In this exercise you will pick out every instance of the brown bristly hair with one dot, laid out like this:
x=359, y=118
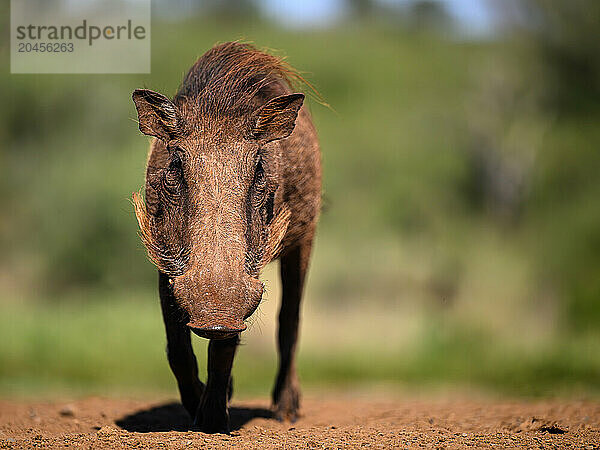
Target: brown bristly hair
x=172, y=265
x=276, y=232
x=231, y=87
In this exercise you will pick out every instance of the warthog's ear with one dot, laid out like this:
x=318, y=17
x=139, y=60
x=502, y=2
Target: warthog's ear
x=277, y=118
x=157, y=115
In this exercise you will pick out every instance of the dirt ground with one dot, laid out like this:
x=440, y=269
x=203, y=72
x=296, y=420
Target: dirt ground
x=329, y=421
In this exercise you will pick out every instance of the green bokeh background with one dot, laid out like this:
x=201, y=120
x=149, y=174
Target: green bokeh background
x=460, y=241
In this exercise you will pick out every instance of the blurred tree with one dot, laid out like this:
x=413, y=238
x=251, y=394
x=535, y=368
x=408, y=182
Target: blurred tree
x=559, y=44
x=231, y=9
x=219, y=9
x=362, y=8
x=567, y=37
x=430, y=15
x=506, y=127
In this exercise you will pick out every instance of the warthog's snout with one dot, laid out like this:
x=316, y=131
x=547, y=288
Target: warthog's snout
x=217, y=316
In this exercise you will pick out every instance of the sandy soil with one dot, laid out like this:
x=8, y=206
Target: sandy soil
x=330, y=421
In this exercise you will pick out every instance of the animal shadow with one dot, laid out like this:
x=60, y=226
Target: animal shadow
x=173, y=417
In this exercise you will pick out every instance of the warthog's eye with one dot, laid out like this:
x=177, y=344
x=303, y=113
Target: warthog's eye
x=175, y=165
x=262, y=199
x=173, y=178
x=259, y=184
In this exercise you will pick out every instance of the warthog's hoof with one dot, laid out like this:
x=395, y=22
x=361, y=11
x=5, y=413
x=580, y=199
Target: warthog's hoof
x=288, y=404
x=212, y=415
x=212, y=423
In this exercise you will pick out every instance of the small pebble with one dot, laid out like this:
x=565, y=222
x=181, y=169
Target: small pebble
x=67, y=411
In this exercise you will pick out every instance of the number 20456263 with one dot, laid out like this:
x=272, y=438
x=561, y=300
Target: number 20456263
x=45, y=47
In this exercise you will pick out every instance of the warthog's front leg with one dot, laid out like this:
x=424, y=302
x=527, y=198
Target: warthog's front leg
x=179, y=349
x=286, y=394
x=212, y=415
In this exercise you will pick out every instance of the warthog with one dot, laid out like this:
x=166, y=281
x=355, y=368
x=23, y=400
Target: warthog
x=233, y=181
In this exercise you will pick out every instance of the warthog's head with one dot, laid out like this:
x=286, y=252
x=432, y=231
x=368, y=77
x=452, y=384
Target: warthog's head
x=210, y=220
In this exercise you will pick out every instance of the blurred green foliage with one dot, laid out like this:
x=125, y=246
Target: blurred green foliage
x=60, y=350
x=461, y=191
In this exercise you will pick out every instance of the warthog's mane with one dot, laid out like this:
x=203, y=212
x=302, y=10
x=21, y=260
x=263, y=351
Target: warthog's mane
x=232, y=79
